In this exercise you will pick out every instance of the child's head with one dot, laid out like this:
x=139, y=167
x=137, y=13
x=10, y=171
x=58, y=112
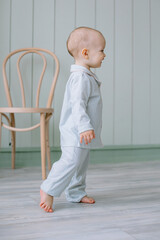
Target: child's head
x=86, y=45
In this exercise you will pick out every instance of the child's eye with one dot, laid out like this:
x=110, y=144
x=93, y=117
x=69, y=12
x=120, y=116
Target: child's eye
x=102, y=51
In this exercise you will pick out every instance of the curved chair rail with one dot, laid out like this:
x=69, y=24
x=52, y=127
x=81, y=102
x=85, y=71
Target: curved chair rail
x=25, y=129
x=31, y=50
x=45, y=112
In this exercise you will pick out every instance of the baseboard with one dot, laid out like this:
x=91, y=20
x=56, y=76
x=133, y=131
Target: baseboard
x=27, y=157
x=109, y=147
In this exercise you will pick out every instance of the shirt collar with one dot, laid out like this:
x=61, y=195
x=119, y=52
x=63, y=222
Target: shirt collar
x=78, y=68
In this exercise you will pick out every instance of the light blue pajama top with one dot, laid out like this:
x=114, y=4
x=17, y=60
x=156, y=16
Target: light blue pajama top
x=82, y=108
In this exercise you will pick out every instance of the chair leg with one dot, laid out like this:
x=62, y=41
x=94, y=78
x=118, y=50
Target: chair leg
x=13, y=140
x=43, y=137
x=47, y=146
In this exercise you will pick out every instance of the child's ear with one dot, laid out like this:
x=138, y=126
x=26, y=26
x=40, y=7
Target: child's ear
x=85, y=53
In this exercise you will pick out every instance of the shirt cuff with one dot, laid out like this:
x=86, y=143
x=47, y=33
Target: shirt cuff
x=84, y=128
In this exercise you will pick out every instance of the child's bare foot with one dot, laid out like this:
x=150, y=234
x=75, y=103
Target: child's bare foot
x=46, y=201
x=86, y=199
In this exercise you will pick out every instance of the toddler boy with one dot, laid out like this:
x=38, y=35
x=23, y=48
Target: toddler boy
x=81, y=120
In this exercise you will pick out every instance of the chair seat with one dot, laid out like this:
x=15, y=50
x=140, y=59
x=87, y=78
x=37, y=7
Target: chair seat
x=25, y=110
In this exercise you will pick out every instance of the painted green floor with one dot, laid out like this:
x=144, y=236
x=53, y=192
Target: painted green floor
x=26, y=159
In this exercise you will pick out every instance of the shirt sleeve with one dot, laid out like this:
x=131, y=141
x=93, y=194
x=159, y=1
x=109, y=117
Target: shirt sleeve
x=80, y=93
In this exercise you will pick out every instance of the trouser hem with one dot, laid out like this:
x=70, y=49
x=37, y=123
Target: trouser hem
x=77, y=200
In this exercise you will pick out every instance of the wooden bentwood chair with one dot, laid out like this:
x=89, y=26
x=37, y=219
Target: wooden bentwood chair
x=45, y=113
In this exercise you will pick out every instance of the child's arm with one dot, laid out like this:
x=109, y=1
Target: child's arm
x=80, y=93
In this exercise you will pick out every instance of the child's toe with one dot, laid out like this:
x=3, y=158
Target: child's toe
x=48, y=207
x=50, y=210
x=41, y=203
x=43, y=206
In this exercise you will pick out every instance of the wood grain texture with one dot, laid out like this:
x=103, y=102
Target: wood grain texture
x=127, y=205
x=130, y=72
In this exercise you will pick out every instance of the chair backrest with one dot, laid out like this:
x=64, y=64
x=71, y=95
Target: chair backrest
x=39, y=52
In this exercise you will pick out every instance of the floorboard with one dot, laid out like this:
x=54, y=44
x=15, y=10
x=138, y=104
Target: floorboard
x=127, y=205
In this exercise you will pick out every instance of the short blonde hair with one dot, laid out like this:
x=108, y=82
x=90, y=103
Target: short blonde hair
x=84, y=37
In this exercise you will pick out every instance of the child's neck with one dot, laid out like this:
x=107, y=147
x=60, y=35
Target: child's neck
x=82, y=64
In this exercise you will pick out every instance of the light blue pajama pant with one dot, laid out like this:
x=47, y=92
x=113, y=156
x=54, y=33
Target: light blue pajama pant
x=69, y=173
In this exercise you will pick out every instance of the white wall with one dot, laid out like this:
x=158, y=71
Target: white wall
x=130, y=72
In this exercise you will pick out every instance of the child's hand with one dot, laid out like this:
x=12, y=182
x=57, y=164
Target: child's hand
x=87, y=136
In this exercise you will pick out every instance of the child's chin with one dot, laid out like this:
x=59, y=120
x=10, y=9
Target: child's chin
x=97, y=66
